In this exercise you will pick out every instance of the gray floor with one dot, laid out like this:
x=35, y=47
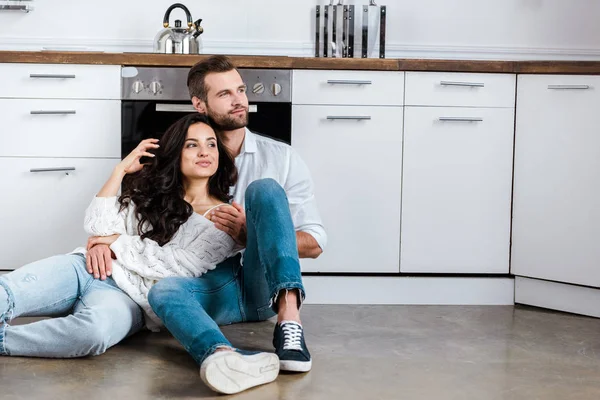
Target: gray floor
x=360, y=352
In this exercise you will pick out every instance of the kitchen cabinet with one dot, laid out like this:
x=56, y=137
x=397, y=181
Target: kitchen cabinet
x=43, y=211
x=60, y=126
x=457, y=179
x=457, y=173
x=556, y=217
x=354, y=154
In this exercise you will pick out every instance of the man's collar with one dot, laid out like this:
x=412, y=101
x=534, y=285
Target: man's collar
x=249, y=145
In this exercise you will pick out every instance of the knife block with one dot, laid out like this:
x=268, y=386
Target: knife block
x=350, y=30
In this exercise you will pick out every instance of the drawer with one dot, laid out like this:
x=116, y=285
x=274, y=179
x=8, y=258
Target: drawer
x=60, y=128
x=60, y=81
x=42, y=213
x=348, y=87
x=460, y=89
x=572, y=91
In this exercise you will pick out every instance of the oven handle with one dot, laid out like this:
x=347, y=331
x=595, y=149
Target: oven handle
x=160, y=107
x=165, y=107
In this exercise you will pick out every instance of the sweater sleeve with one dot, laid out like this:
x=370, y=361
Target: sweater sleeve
x=103, y=218
x=193, y=251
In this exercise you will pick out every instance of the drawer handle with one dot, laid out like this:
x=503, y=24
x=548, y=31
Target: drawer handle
x=349, y=117
x=461, y=119
x=348, y=82
x=53, y=112
x=66, y=170
x=467, y=84
x=569, y=87
x=52, y=76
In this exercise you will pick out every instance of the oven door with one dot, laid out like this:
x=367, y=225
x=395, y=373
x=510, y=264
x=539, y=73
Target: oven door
x=150, y=119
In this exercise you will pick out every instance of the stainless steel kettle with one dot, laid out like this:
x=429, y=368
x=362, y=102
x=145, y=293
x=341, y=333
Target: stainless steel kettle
x=179, y=40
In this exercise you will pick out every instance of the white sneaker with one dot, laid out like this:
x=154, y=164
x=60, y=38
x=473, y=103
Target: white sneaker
x=231, y=372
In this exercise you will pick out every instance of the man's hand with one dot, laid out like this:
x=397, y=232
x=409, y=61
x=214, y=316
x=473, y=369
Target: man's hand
x=231, y=220
x=99, y=261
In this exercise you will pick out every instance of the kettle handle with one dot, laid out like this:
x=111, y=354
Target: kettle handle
x=199, y=29
x=168, y=14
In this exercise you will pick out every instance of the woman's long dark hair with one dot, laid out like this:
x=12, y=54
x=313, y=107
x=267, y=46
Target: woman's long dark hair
x=157, y=191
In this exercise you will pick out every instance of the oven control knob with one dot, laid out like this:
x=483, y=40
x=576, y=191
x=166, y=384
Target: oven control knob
x=138, y=86
x=258, y=88
x=155, y=87
x=276, y=89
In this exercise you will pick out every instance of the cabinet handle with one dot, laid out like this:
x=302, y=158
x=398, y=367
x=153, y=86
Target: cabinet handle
x=24, y=8
x=568, y=87
x=461, y=119
x=348, y=82
x=52, y=76
x=349, y=117
x=53, y=112
x=59, y=169
x=467, y=84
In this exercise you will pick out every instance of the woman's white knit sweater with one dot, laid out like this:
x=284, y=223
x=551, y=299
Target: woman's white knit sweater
x=197, y=247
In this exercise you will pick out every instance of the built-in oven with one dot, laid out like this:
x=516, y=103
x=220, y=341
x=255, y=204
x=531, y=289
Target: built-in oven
x=154, y=98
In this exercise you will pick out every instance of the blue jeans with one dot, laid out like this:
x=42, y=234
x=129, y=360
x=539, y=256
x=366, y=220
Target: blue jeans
x=193, y=308
x=90, y=315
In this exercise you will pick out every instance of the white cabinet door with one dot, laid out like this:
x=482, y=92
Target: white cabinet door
x=356, y=165
x=456, y=192
x=556, y=215
x=42, y=213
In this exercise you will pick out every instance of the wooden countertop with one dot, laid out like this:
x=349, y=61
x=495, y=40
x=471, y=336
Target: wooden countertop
x=279, y=62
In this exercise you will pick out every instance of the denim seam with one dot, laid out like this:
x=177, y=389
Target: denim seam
x=211, y=350
x=240, y=291
x=287, y=286
x=3, y=322
x=3, y=350
x=11, y=302
x=262, y=266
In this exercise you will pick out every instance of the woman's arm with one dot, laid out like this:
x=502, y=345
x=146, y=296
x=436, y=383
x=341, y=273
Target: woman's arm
x=194, y=250
x=103, y=217
x=113, y=184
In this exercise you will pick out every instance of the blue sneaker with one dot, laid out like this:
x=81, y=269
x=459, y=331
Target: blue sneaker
x=290, y=347
x=232, y=372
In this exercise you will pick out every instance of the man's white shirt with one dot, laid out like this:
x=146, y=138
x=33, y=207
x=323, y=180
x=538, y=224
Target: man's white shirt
x=262, y=157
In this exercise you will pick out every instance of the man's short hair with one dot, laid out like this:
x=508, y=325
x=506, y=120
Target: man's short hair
x=196, y=80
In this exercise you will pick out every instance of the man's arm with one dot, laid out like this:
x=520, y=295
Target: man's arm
x=307, y=245
x=299, y=188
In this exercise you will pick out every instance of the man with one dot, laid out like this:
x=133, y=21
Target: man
x=275, y=218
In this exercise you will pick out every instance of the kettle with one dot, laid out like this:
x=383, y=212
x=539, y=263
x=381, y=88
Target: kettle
x=179, y=40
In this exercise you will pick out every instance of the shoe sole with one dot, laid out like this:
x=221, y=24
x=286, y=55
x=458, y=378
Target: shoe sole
x=295, y=366
x=229, y=372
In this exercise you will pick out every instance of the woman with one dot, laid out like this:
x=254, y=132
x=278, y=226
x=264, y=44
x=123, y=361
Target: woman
x=155, y=229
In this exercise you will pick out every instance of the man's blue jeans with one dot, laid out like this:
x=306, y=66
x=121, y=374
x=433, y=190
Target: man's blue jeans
x=193, y=308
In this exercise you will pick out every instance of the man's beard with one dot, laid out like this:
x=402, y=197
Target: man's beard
x=227, y=122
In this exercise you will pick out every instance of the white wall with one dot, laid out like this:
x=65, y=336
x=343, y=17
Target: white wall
x=507, y=29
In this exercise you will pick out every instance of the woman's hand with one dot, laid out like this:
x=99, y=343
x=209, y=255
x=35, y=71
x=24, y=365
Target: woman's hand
x=107, y=240
x=131, y=164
